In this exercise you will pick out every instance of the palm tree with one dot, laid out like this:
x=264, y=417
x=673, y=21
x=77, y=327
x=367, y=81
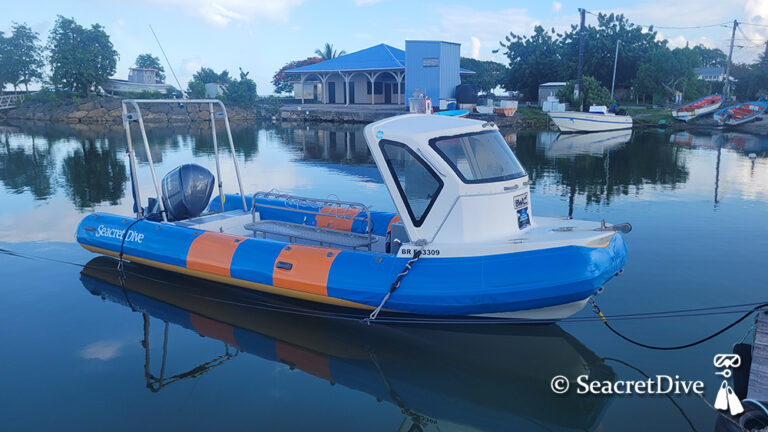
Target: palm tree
x=328, y=52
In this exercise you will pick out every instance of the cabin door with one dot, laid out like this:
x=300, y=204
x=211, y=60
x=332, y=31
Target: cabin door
x=351, y=92
x=331, y=92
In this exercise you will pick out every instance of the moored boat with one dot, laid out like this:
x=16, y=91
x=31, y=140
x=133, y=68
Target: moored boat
x=464, y=230
x=698, y=108
x=453, y=113
x=740, y=113
x=597, y=119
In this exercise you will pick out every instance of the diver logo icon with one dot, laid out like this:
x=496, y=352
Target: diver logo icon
x=726, y=399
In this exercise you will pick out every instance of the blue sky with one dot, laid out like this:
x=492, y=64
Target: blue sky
x=262, y=35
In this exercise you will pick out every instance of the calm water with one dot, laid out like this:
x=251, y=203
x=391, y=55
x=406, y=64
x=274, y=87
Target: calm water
x=78, y=352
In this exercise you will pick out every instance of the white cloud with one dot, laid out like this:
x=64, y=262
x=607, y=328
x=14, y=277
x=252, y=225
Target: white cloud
x=481, y=28
x=102, y=350
x=223, y=12
x=366, y=2
x=556, y=6
x=475, y=48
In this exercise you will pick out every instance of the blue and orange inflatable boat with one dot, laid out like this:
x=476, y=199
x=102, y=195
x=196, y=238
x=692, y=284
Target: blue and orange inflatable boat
x=463, y=243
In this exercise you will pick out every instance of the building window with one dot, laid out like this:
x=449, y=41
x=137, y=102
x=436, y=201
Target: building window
x=378, y=88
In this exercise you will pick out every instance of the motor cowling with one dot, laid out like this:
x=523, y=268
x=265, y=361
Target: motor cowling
x=187, y=191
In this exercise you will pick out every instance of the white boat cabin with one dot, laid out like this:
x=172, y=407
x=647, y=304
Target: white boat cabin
x=453, y=180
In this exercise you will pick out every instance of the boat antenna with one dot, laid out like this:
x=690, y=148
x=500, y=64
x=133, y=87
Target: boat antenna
x=166, y=60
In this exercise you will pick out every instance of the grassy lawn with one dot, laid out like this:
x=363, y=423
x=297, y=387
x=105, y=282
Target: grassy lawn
x=651, y=115
x=532, y=113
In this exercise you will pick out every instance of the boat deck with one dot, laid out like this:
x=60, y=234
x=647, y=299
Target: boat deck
x=240, y=223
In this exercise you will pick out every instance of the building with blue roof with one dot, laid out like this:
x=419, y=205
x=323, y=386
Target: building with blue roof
x=383, y=74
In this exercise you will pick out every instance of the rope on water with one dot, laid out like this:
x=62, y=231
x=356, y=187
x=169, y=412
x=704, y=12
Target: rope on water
x=596, y=310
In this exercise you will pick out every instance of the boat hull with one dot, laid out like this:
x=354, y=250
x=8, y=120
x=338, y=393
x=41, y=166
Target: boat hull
x=570, y=121
x=688, y=112
x=558, y=278
x=740, y=114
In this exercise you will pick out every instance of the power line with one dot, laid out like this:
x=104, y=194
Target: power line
x=673, y=27
x=756, y=25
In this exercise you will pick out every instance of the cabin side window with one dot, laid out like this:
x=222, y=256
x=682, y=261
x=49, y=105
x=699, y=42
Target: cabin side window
x=418, y=185
x=480, y=157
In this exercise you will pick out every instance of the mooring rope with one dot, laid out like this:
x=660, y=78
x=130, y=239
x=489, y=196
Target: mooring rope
x=596, y=310
x=396, y=284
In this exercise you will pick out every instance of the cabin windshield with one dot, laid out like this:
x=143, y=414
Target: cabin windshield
x=480, y=157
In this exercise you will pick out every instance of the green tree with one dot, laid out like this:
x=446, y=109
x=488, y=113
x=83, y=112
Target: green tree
x=635, y=48
x=710, y=56
x=752, y=80
x=3, y=70
x=196, y=87
x=592, y=93
x=241, y=92
x=282, y=82
x=22, y=57
x=81, y=59
x=533, y=60
x=148, y=61
x=487, y=74
x=327, y=52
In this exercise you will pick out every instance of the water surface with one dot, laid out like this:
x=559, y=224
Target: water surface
x=79, y=351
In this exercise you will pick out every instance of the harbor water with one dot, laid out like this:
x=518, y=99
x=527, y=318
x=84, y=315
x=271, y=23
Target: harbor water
x=81, y=351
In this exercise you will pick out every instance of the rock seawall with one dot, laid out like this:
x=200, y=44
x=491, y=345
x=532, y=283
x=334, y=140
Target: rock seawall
x=108, y=110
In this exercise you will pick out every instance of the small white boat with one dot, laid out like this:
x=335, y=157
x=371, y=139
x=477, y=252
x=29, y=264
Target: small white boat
x=598, y=119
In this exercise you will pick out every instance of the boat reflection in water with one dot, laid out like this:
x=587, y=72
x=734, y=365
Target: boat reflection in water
x=558, y=145
x=486, y=377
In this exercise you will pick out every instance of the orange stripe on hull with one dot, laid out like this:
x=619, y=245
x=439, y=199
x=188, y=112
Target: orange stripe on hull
x=214, y=329
x=309, y=268
x=310, y=362
x=333, y=217
x=212, y=252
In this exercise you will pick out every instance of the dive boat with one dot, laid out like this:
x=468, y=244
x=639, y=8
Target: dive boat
x=463, y=244
x=740, y=113
x=598, y=119
x=698, y=108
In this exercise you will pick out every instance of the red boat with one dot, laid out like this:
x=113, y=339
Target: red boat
x=698, y=108
x=740, y=113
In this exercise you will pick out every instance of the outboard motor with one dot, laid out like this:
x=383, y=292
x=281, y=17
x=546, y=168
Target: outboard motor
x=187, y=191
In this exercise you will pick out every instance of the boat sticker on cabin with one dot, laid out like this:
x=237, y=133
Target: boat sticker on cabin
x=522, y=218
x=521, y=201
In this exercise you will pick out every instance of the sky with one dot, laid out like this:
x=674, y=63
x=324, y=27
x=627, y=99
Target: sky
x=260, y=36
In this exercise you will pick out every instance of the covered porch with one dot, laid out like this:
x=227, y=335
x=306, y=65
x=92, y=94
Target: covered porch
x=375, y=75
x=349, y=87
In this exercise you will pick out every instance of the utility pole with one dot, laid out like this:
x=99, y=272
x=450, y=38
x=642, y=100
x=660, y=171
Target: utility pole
x=615, y=60
x=577, y=89
x=727, y=85
x=765, y=54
